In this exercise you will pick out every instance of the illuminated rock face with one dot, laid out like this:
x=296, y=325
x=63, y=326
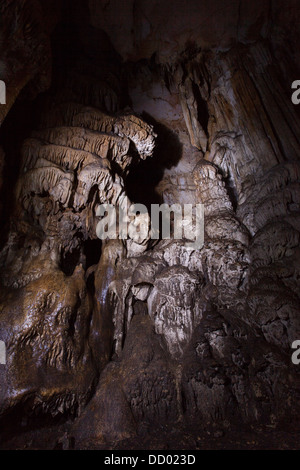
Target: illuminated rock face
x=74, y=162
x=122, y=336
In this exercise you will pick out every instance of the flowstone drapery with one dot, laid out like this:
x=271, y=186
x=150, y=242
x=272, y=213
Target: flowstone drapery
x=110, y=341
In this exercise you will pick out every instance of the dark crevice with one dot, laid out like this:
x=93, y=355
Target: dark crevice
x=203, y=115
x=17, y=126
x=231, y=191
x=92, y=252
x=69, y=261
x=141, y=183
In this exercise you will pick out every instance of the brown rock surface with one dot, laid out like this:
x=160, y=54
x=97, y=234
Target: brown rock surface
x=113, y=339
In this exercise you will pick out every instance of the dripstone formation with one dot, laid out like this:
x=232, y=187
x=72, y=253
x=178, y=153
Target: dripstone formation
x=109, y=340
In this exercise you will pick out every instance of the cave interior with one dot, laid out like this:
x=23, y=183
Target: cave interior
x=134, y=342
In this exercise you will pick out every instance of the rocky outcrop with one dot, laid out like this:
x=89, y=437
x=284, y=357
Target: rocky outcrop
x=123, y=335
x=60, y=332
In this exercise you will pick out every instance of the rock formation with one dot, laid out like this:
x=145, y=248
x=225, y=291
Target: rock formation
x=111, y=339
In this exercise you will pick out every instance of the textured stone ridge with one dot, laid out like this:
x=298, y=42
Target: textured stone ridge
x=58, y=338
x=112, y=340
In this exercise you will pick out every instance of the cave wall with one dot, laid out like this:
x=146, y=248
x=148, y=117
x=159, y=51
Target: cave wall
x=150, y=102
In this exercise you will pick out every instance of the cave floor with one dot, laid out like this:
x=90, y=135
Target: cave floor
x=166, y=438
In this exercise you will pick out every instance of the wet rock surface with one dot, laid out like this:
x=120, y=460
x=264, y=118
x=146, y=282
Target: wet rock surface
x=110, y=340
